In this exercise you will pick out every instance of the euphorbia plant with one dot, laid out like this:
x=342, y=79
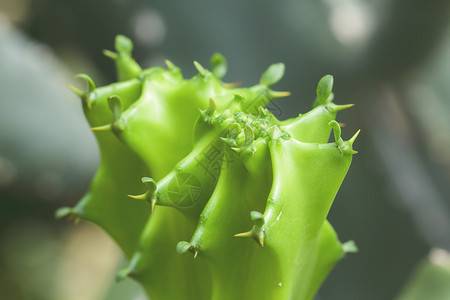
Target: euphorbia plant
x=193, y=165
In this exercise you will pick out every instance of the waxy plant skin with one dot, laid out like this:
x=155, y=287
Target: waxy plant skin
x=194, y=165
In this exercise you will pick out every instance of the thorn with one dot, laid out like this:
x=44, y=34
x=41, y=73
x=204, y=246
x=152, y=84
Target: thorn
x=76, y=90
x=208, y=113
x=344, y=147
x=341, y=124
x=232, y=85
x=279, y=94
x=195, y=253
x=172, y=67
x=139, y=197
x=102, y=128
x=265, y=113
x=202, y=71
x=336, y=107
x=151, y=184
x=211, y=107
x=153, y=203
x=110, y=54
x=255, y=233
x=245, y=234
x=261, y=239
x=352, y=140
x=169, y=64
x=149, y=195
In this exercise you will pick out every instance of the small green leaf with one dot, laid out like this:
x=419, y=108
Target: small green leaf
x=115, y=105
x=336, y=131
x=249, y=136
x=64, y=212
x=89, y=80
x=183, y=247
x=123, y=45
x=324, y=90
x=218, y=65
x=350, y=247
x=273, y=74
x=256, y=215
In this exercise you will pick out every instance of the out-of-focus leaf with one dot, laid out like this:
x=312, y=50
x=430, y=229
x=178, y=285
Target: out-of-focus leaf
x=44, y=141
x=430, y=280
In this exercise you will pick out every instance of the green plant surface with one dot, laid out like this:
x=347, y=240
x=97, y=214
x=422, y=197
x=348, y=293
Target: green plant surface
x=192, y=165
x=430, y=279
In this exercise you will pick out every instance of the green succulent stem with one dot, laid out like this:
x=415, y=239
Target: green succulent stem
x=207, y=193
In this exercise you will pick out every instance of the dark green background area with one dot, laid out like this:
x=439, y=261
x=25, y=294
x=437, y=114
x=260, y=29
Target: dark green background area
x=395, y=200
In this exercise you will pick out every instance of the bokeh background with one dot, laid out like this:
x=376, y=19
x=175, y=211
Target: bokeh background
x=389, y=57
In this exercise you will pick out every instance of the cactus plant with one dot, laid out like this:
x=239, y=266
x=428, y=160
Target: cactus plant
x=193, y=165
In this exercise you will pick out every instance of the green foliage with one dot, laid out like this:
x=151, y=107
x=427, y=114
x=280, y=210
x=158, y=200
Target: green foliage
x=430, y=278
x=215, y=166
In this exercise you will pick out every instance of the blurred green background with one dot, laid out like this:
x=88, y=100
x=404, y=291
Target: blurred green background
x=389, y=57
